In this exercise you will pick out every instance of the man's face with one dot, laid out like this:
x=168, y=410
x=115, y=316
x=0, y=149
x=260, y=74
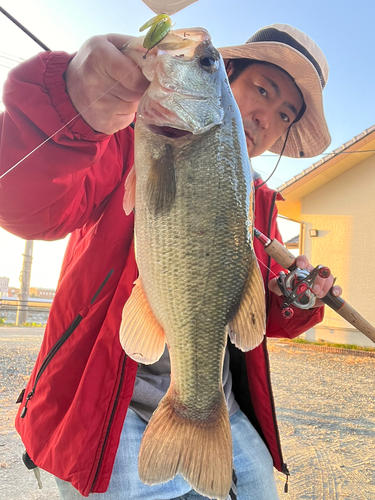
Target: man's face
x=269, y=102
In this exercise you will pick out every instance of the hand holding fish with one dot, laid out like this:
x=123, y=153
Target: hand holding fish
x=321, y=285
x=94, y=71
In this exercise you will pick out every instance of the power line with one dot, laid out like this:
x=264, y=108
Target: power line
x=5, y=66
x=16, y=58
x=11, y=59
x=349, y=152
x=273, y=178
x=6, y=62
x=327, y=154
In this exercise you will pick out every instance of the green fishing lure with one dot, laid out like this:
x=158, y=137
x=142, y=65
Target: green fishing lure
x=160, y=26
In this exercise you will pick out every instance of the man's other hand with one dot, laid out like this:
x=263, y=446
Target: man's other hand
x=321, y=285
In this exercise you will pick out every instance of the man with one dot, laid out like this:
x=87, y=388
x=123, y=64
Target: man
x=72, y=414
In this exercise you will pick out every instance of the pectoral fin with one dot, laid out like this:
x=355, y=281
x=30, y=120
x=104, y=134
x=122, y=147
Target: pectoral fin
x=161, y=182
x=247, y=327
x=141, y=336
x=129, y=196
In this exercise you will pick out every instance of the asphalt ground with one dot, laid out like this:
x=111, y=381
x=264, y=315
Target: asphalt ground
x=324, y=401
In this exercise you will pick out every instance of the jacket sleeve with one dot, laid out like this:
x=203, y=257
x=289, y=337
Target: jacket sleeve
x=63, y=170
x=302, y=319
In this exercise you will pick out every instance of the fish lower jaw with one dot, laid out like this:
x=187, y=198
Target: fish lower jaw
x=161, y=120
x=153, y=113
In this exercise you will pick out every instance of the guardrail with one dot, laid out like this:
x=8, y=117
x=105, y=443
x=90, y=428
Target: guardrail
x=32, y=305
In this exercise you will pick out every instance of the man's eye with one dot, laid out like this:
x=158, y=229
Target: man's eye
x=262, y=91
x=284, y=117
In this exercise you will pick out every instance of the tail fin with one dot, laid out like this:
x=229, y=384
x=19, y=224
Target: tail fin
x=199, y=450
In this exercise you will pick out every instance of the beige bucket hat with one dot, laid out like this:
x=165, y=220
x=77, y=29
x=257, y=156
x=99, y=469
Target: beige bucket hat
x=295, y=52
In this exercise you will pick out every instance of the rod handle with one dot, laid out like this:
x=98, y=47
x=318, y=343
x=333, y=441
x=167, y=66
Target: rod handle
x=280, y=254
x=346, y=311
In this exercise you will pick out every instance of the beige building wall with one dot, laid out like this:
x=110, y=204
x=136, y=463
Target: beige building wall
x=343, y=211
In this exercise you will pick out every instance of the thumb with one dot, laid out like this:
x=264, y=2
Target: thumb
x=118, y=40
x=274, y=287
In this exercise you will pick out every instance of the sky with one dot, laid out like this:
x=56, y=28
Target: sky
x=342, y=29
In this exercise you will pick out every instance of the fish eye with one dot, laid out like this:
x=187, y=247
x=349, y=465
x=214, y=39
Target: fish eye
x=209, y=63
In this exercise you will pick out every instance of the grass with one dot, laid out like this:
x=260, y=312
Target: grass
x=329, y=344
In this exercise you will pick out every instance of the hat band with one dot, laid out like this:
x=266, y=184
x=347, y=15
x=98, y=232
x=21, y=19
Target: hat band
x=274, y=35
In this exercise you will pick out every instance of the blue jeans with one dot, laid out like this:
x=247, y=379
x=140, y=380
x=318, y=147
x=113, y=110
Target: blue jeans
x=252, y=462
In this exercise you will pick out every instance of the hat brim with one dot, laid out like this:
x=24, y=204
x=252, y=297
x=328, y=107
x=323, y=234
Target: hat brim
x=308, y=137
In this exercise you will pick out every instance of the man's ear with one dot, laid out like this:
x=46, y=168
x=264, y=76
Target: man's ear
x=228, y=67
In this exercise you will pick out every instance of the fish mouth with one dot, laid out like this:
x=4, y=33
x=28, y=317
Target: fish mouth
x=170, y=132
x=156, y=117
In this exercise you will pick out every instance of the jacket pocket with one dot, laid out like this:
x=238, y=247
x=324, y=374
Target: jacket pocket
x=64, y=337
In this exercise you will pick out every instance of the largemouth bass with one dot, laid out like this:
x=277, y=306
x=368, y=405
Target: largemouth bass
x=198, y=276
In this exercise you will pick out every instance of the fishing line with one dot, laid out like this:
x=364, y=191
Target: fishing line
x=267, y=267
x=66, y=124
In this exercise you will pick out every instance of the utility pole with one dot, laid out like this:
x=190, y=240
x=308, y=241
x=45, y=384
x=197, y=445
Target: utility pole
x=25, y=283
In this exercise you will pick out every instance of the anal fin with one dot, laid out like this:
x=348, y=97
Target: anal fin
x=141, y=336
x=247, y=327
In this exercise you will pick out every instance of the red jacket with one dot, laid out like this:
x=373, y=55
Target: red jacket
x=82, y=383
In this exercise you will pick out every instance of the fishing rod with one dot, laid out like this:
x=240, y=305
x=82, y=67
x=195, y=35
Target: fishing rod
x=296, y=287
x=25, y=30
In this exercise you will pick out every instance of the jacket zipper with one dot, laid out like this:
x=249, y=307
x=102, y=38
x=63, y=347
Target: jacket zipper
x=110, y=421
x=48, y=359
x=60, y=343
x=284, y=465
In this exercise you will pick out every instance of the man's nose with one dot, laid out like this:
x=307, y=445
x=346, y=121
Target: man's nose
x=262, y=118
